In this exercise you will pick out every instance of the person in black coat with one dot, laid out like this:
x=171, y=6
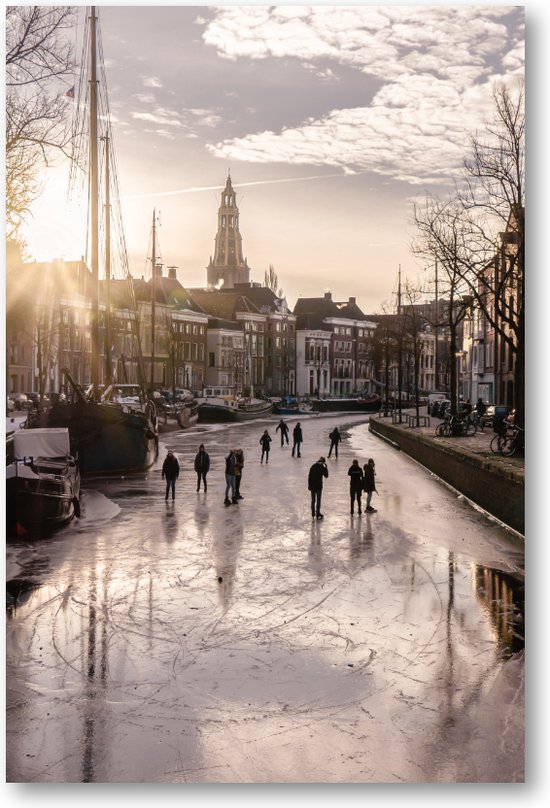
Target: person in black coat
x=335, y=439
x=265, y=440
x=297, y=438
x=230, y=479
x=369, y=483
x=284, y=431
x=355, y=473
x=315, y=486
x=202, y=466
x=239, y=466
x=170, y=473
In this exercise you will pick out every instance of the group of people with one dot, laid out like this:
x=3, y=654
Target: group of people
x=361, y=479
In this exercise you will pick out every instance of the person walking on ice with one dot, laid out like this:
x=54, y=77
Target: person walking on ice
x=230, y=479
x=315, y=486
x=265, y=440
x=369, y=483
x=297, y=438
x=335, y=438
x=202, y=466
x=284, y=432
x=355, y=473
x=170, y=473
x=239, y=465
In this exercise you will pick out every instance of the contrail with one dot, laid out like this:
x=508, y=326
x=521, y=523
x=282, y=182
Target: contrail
x=197, y=189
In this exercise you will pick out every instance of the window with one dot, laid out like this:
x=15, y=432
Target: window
x=195, y=329
x=201, y=352
x=195, y=350
x=211, y=360
x=188, y=350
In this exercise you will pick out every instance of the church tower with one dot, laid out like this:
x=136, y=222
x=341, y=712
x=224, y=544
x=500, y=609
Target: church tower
x=228, y=264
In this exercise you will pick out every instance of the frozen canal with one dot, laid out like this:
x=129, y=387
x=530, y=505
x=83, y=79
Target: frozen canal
x=193, y=642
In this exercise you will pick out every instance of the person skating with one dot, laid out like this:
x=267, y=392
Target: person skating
x=265, y=440
x=239, y=465
x=230, y=479
x=284, y=431
x=202, y=466
x=170, y=473
x=335, y=439
x=369, y=484
x=297, y=438
x=315, y=486
x=355, y=473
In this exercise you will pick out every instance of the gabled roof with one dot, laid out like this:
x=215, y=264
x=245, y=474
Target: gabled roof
x=321, y=306
x=311, y=322
x=223, y=305
x=350, y=310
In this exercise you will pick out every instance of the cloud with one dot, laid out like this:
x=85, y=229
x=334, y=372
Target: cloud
x=151, y=81
x=145, y=98
x=437, y=66
x=157, y=117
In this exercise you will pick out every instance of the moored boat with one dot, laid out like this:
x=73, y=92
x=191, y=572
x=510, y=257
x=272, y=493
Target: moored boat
x=42, y=482
x=289, y=405
x=220, y=404
x=365, y=404
x=109, y=436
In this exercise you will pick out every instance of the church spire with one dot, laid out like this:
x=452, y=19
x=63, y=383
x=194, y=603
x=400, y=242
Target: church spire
x=228, y=264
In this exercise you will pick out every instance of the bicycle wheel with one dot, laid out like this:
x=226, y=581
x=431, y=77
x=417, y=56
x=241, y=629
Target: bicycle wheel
x=495, y=444
x=507, y=445
x=471, y=429
x=439, y=430
x=447, y=429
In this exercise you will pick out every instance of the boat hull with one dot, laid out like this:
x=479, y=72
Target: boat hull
x=42, y=482
x=107, y=438
x=38, y=508
x=214, y=413
x=346, y=405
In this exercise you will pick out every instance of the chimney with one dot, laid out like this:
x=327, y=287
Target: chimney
x=172, y=273
x=158, y=271
x=328, y=296
x=352, y=301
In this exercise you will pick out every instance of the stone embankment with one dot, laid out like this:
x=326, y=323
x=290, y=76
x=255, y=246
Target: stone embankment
x=496, y=484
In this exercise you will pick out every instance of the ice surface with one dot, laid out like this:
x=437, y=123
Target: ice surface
x=193, y=642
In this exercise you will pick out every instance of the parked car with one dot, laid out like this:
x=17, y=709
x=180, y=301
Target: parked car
x=495, y=413
x=439, y=407
x=10, y=404
x=21, y=401
x=34, y=399
x=434, y=398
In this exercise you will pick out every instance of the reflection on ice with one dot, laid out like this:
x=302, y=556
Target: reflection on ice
x=190, y=642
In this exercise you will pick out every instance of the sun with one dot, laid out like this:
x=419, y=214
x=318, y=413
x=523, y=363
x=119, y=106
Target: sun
x=55, y=227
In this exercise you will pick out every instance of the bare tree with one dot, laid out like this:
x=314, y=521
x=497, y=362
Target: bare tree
x=479, y=235
x=442, y=233
x=272, y=281
x=38, y=55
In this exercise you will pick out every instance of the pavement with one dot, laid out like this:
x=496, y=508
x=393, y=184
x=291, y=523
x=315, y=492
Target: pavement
x=478, y=444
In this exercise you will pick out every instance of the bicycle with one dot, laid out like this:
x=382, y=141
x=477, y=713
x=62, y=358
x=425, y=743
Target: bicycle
x=454, y=426
x=508, y=443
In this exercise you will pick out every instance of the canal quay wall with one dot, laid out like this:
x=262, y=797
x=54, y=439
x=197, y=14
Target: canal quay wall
x=489, y=481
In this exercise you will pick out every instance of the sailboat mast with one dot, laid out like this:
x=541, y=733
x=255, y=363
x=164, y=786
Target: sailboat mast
x=154, y=262
x=94, y=204
x=108, y=363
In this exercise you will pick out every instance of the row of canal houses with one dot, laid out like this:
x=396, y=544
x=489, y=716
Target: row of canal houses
x=233, y=332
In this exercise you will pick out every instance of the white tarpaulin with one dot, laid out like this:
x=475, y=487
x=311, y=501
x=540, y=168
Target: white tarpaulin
x=41, y=442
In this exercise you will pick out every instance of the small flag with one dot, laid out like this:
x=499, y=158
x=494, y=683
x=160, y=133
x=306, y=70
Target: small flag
x=70, y=93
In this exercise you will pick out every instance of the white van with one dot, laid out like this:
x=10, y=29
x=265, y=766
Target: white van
x=432, y=398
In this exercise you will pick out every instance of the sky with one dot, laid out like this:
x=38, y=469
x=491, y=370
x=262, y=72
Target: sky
x=331, y=119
